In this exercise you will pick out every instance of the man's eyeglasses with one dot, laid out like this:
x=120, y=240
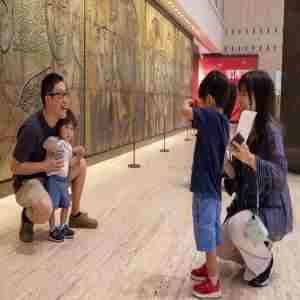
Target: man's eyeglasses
x=60, y=94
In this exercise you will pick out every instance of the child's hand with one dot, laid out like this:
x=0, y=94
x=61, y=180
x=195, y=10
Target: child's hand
x=79, y=151
x=188, y=103
x=197, y=103
x=187, y=110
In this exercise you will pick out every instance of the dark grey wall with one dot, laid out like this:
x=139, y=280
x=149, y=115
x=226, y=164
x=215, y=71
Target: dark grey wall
x=291, y=83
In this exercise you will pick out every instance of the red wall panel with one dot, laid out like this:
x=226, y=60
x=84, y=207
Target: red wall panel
x=234, y=66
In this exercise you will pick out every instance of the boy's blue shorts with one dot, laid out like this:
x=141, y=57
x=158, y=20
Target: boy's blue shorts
x=207, y=222
x=57, y=187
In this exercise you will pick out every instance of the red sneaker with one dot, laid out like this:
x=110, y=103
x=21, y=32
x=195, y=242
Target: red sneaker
x=199, y=274
x=206, y=290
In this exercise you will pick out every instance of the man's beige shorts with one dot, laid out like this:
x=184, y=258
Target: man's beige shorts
x=31, y=189
x=34, y=188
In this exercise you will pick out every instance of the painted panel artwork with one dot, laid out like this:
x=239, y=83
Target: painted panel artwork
x=115, y=77
x=183, y=71
x=160, y=73
x=36, y=37
x=126, y=65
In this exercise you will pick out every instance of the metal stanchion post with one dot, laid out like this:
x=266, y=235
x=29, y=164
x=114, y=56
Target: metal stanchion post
x=164, y=138
x=187, y=139
x=134, y=165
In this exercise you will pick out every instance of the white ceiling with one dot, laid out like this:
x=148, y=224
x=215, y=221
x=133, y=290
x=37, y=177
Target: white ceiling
x=205, y=14
x=201, y=18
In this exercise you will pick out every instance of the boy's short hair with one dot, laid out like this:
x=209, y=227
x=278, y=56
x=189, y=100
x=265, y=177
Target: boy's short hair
x=69, y=119
x=215, y=84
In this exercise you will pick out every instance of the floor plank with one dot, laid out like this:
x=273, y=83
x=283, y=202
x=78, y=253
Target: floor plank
x=143, y=248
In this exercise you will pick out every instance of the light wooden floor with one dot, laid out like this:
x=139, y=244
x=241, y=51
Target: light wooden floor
x=144, y=247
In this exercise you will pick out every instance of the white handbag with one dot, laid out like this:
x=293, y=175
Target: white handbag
x=255, y=229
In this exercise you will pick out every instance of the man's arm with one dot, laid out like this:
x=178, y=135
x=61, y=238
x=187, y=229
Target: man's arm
x=21, y=164
x=28, y=168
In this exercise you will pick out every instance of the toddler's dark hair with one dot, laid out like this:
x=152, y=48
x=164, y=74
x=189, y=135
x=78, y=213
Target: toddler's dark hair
x=69, y=119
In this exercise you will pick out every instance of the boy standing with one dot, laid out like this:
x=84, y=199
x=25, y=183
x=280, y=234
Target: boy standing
x=57, y=181
x=207, y=171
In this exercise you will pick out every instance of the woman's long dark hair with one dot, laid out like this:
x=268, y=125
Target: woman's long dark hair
x=260, y=85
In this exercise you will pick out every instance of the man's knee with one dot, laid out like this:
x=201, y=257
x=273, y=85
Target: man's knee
x=78, y=170
x=41, y=210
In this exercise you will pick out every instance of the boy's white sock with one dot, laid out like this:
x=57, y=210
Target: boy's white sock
x=214, y=279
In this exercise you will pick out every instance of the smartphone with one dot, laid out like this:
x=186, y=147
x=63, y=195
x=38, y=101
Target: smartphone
x=238, y=138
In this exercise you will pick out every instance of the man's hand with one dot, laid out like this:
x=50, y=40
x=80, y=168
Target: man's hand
x=53, y=165
x=29, y=168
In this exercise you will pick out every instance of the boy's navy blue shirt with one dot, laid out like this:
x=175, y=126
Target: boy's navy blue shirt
x=211, y=143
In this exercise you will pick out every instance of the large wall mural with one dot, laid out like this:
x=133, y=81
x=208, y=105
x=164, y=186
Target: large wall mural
x=127, y=67
x=65, y=32
x=183, y=71
x=160, y=73
x=115, y=77
x=24, y=56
